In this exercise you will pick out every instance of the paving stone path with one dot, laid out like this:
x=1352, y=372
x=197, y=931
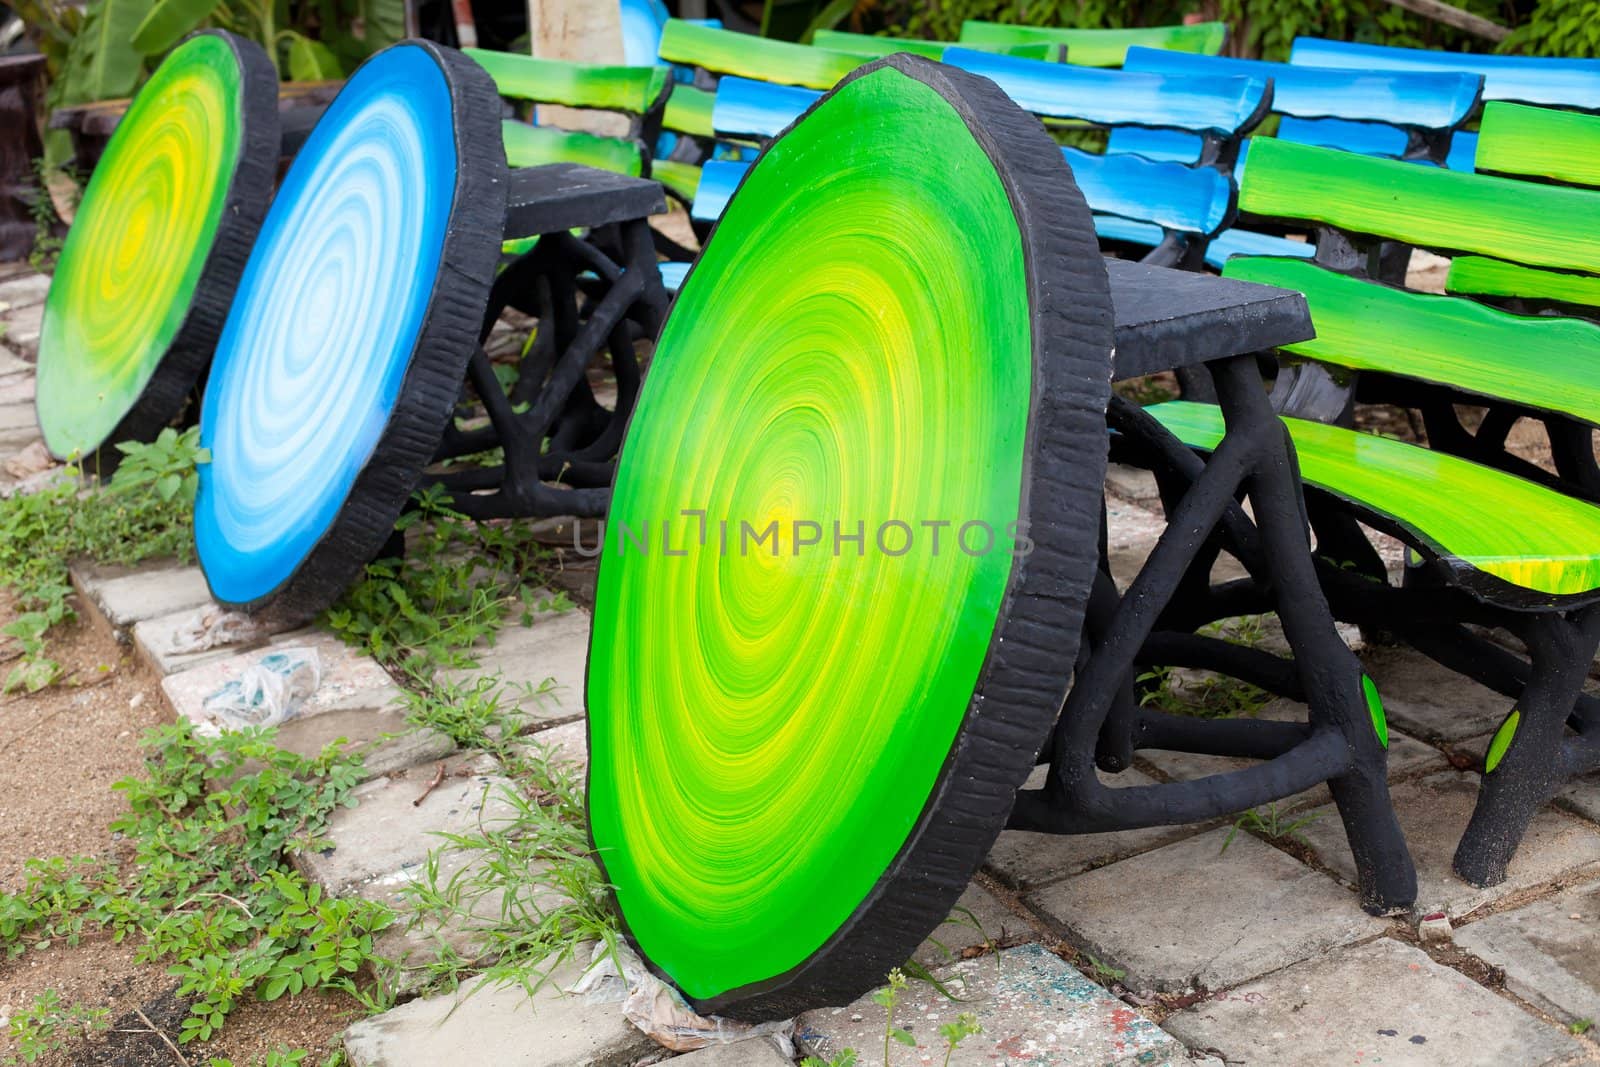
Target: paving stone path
x=1149, y=947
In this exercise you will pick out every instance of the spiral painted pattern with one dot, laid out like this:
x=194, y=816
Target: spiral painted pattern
x=138, y=243
x=767, y=728
x=325, y=322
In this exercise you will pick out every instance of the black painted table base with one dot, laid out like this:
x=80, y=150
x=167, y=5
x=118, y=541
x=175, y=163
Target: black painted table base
x=1166, y=321
x=596, y=297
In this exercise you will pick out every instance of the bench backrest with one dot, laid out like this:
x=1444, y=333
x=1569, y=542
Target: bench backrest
x=1539, y=142
x=1444, y=340
x=1546, y=145
x=1225, y=106
x=1426, y=207
x=871, y=46
x=748, y=56
x=630, y=90
x=1100, y=47
x=1387, y=103
x=1573, y=83
x=1172, y=197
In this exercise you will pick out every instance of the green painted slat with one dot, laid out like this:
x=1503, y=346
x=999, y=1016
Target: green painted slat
x=681, y=178
x=1539, y=142
x=689, y=111
x=533, y=146
x=1540, y=225
x=557, y=81
x=1101, y=48
x=1482, y=276
x=1469, y=515
x=1544, y=362
x=869, y=46
x=748, y=56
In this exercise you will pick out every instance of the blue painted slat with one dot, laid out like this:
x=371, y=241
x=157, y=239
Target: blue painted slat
x=1183, y=199
x=718, y=179
x=1372, y=139
x=1118, y=98
x=746, y=108
x=1435, y=100
x=1112, y=228
x=1367, y=138
x=1169, y=146
x=672, y=275
x=1573, y=83
x=641, y=31
x=1249, y=243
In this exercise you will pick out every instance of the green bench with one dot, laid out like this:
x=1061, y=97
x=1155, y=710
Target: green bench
x=1493, y=539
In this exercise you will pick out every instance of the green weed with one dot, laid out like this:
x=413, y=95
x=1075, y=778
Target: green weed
x=209, y=886
x=143, y=512
x=47, y=1026
x=1269, y=822
x=457, y=584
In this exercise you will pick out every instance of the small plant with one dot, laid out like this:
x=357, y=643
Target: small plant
x=1268, y=822
x=965, y=1026
x=1104, y=973
x=1581, y=1026
x=47, y=1026
x=846, y=1058
x=886, y=998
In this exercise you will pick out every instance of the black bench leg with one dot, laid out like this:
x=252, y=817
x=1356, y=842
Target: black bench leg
x=1530, y=756
x=1330, y=671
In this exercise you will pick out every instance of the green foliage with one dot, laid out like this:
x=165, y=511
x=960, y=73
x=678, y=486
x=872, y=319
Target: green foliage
x=209, y=885
x=283, y=1056
x=1269, y=822
x=1105, y=973
x=1580, y=1026
x=1202, y=694
x=847, y=1058
x=143, y=512
x=1557, y=28
x=887, y=998
x=965, y=1026
x=456, y=586
x=47, y=1026
x=1260, y=28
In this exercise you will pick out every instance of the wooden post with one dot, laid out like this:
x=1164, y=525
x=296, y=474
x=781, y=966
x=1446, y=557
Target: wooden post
x=1438, y=11
x=589, y=31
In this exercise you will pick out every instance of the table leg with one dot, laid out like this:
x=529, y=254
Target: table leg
x=1340, y=745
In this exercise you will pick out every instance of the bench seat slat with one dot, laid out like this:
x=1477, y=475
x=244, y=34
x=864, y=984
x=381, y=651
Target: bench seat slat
x=1222, y=105
x=749, y=56
x=1483, y=276
x=1423, y=206
x=1451, y=507
x=1097, y=47
x=1436, y=100
x=1540, y=142
x=1528, y=79
x=1543, y=362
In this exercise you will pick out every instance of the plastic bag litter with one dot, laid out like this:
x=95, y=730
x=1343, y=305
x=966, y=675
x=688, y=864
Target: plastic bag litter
x=661, y=1012
x=211, y=626
x=269, y=692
